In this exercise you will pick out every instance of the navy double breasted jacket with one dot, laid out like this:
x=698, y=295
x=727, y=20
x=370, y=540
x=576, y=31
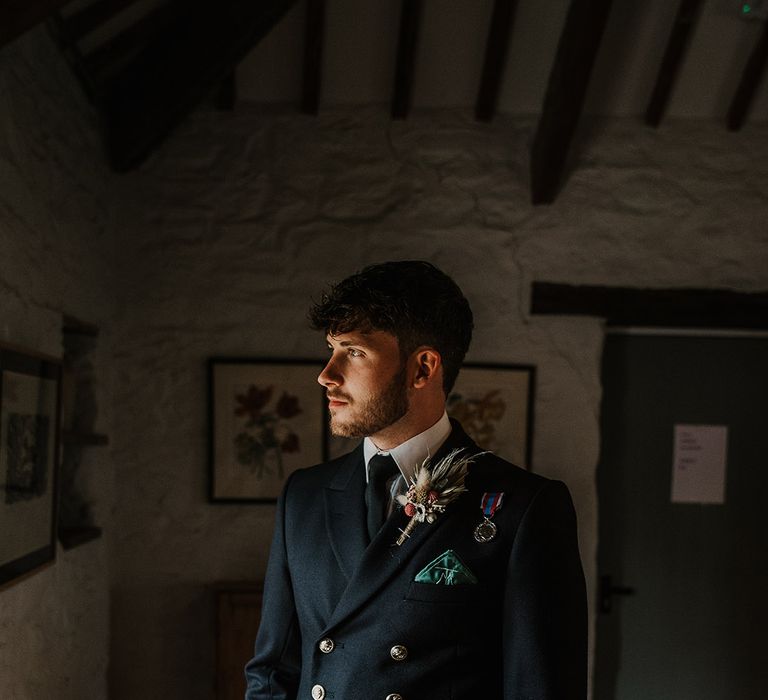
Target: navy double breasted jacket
x=335, y=605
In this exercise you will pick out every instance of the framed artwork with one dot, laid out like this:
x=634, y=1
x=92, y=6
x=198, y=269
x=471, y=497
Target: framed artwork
x=30, y=401
x=266, y=420
x=493, y=403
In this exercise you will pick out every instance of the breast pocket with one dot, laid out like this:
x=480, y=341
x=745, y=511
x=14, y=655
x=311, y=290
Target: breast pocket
x=436, y=616
x=441, y=593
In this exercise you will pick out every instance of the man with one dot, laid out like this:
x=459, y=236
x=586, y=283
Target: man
x=483, y=598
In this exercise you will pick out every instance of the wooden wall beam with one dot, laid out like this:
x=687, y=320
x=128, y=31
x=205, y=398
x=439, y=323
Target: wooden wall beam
x=564, y=99
x=750, y=81
x=18, y=16
x=313, y=56
x=682, y=30
x=496, y=47
x=671, y=308
x=410, y=23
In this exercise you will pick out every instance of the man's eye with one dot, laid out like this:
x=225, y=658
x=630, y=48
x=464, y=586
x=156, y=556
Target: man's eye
x=355, y=353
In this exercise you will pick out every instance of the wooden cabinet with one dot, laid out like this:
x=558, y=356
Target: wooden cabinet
x=238, y=611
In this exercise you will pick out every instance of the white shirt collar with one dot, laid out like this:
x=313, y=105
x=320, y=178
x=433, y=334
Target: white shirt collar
x=413, y=451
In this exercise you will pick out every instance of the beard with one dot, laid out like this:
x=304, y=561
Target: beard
x=374, y=413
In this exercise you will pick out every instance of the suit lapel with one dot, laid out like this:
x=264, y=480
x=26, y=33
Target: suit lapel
x=345, y=512
x=383, y=559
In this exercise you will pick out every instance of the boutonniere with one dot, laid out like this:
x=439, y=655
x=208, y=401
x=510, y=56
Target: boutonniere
x=432, y=489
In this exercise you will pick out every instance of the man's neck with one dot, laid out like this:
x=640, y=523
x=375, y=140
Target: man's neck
x=404, y=429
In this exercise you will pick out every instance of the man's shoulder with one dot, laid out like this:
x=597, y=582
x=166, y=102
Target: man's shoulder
x=490, y=473
x=326, y=473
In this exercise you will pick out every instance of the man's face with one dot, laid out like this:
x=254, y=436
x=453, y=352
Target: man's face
x=365, y=383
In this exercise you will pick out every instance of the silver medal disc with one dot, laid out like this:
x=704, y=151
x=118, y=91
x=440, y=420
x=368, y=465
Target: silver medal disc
x=485, y=531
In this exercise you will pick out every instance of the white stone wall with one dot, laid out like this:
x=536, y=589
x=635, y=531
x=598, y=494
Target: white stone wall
x=55, y=257
x=241, y=218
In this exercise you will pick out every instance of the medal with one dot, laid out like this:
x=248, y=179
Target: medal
x=485, y=531
x=489, y=504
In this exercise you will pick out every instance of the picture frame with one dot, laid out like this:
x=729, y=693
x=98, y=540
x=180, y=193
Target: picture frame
x=266, y=419
x=30, y=425
x=494, y=403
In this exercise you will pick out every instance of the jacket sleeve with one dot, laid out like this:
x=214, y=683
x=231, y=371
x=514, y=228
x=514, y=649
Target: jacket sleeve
x=545, y=604
x=273, y=672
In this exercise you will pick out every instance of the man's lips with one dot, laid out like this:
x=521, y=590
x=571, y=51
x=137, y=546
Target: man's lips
x=336, y=401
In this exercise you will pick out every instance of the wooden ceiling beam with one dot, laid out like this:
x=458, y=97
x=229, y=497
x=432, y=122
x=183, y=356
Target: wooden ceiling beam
x=313, y=56
x=226, y=94
x=178, y=67
x=114, y=54
x=750, y=81
x=19, y=16
x=685, y=22
x=79, y=24
x=410, y=22
x=564, y=99
x=496, y=47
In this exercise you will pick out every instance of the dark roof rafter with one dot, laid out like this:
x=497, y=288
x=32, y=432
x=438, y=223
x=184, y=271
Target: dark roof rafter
x=750, y=81
x=410, y=23
x=116, y=53
x=685, y=22
x=178, y=66
x=313, y=56
x=83, y=22
x=567, y=88
x=18, y=16
x=499, y=33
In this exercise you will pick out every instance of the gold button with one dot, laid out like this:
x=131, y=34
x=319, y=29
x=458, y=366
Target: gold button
x=326, y=645
x=398, y=652
x=394, y=696
x=318, y=692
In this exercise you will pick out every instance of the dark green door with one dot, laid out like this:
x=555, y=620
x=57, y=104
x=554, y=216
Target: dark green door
x=695, y=626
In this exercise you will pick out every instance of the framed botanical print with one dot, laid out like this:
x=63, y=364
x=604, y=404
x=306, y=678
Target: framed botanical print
x=494, y=404
x=266, y=420
x=30, y=397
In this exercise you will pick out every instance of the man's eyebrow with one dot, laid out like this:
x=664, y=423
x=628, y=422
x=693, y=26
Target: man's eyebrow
x=348, y=343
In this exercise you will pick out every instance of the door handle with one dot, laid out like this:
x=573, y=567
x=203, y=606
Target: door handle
x=608, y=589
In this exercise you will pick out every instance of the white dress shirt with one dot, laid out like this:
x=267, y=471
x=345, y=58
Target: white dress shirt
x=410, y=454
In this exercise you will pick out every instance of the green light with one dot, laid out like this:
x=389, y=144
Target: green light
x=746, y=8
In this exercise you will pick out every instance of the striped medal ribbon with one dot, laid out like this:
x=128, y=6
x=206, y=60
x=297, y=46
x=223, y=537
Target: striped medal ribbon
x=489, y=504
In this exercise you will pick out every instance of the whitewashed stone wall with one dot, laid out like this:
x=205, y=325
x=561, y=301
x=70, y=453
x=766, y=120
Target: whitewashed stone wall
x=228, y=232
x=55, y=256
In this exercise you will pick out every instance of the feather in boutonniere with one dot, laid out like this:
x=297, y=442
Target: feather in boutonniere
x=432, y=488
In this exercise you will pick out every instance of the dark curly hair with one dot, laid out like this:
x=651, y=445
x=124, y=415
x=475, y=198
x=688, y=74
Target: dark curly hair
x=412, y=300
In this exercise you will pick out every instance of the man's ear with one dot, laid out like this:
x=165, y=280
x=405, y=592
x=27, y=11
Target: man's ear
x=428, y=364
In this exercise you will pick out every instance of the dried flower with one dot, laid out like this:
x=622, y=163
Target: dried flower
x=287, y=406
x=253, y=402
x=433, y=488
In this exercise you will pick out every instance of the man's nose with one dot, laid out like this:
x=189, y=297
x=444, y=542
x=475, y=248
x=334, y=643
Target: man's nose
x=330, y=375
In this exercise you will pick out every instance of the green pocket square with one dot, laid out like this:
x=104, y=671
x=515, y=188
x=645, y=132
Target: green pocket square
x=446, y=570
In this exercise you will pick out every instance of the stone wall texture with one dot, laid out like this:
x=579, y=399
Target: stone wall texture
x=55, y=257
x=241, y=218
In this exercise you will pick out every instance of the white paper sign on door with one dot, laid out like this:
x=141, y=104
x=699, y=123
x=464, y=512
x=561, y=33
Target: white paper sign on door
x=698, y=471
